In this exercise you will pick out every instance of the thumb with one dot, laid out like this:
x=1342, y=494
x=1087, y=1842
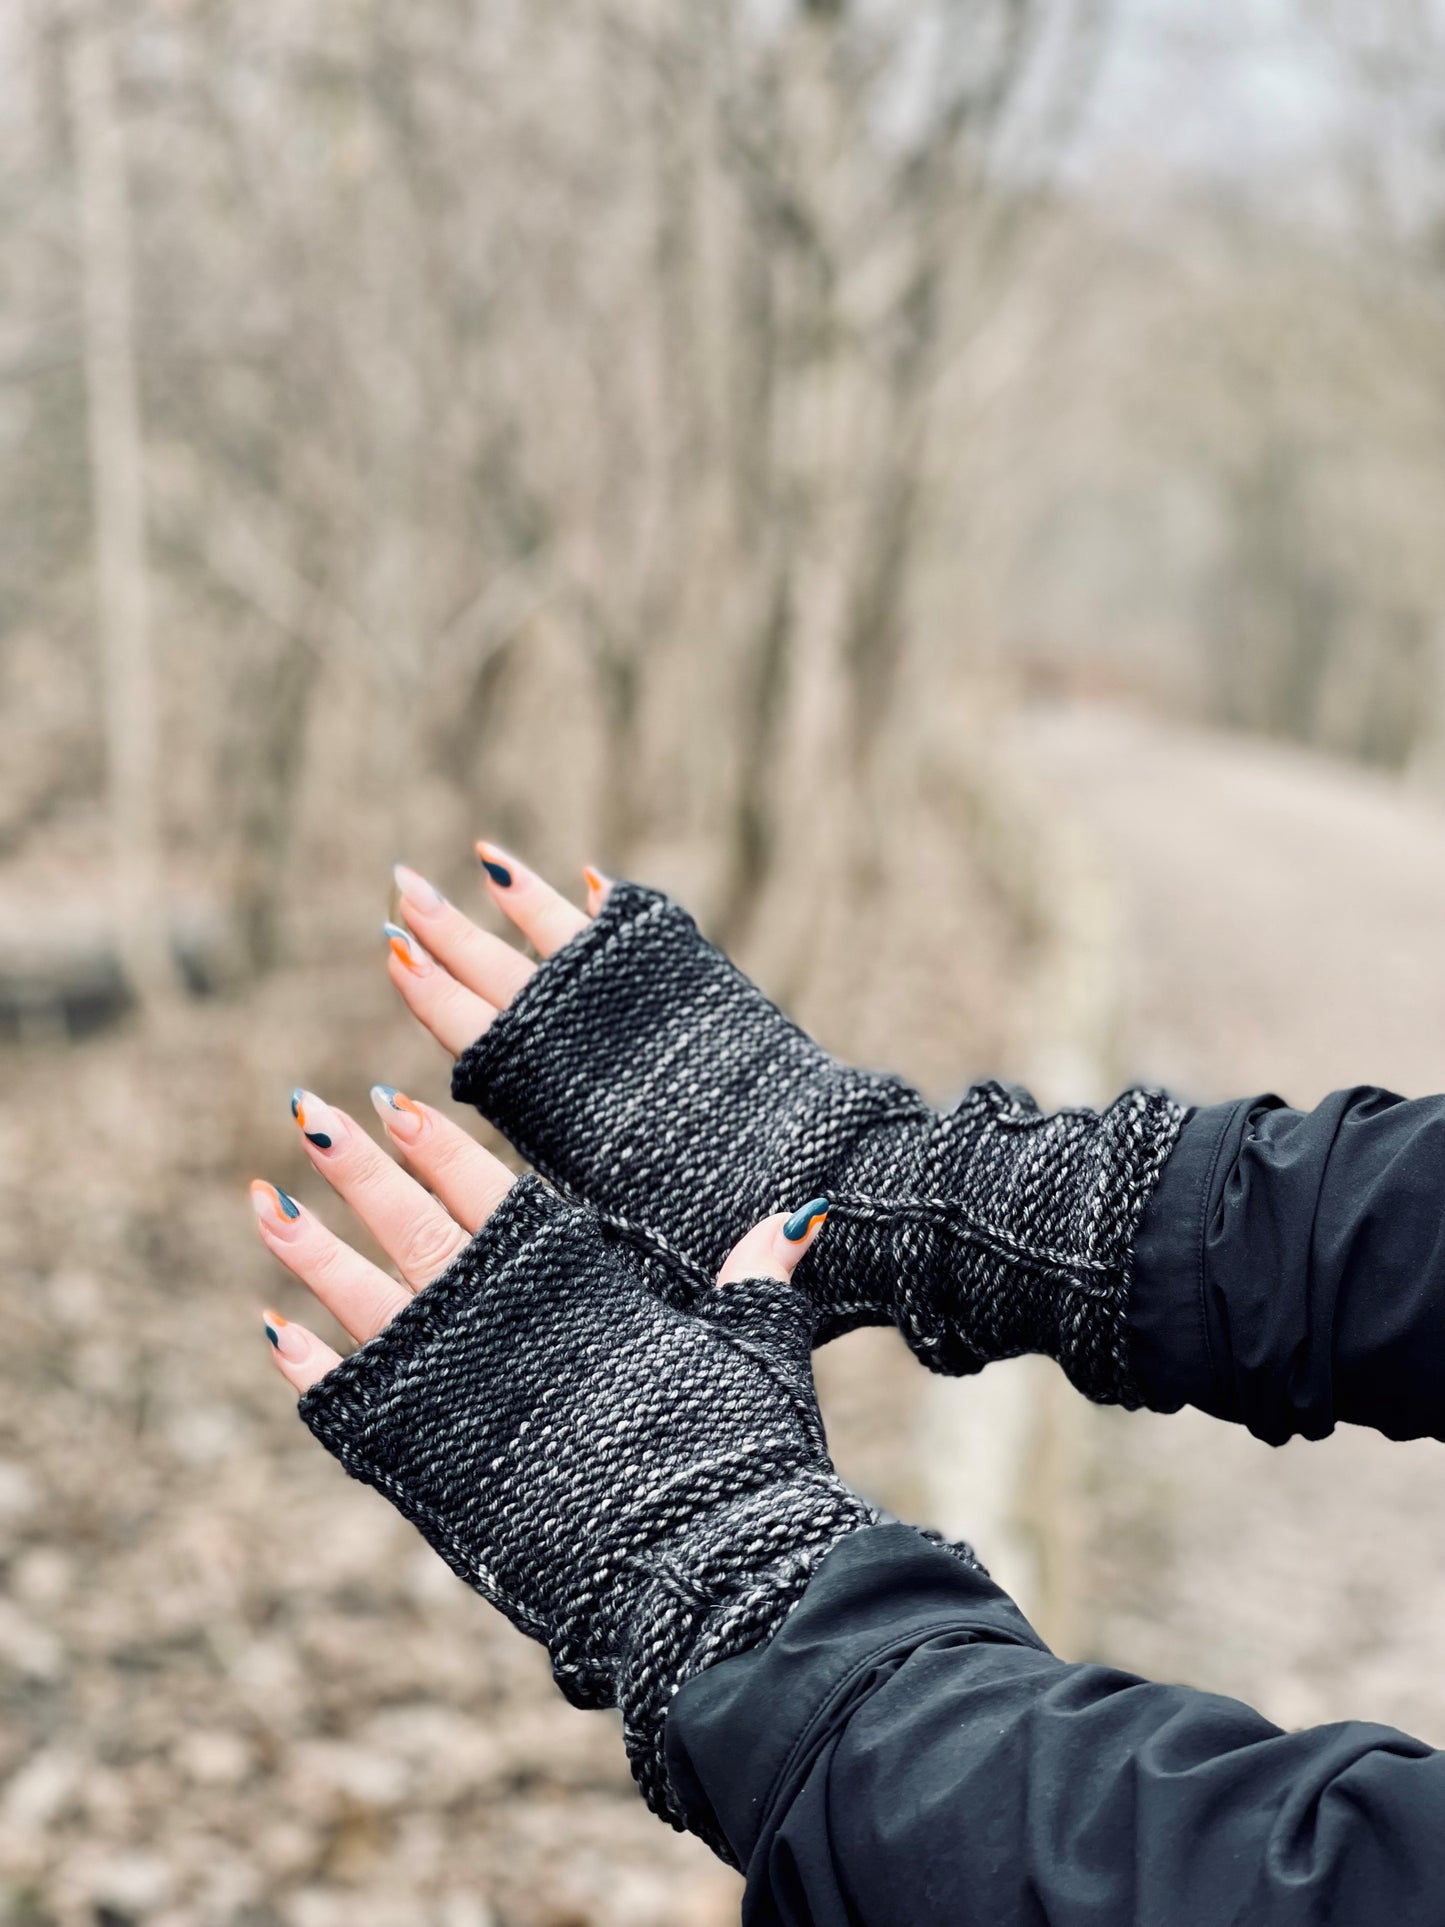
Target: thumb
x=749, y=1303
x=773, y=1248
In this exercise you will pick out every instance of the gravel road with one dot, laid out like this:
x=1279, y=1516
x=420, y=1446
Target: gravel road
x=1284, y=927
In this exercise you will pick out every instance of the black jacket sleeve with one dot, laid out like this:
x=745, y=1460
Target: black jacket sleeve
x=905, y=1750
x=1289, y=1272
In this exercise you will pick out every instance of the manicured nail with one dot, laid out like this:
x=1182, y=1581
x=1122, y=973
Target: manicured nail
x=286, y=1337
x=596, y=882
x=271, y=1204
x=405, y=948
x=497, y=864
x=804, y=1219
x=415, y=889
x=319, y=1123
x=401, y=1117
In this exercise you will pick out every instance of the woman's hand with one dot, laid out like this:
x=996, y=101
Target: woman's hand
x=420, y=1230
x=422, y=1225
x=643, y=1487
x=636, y=1068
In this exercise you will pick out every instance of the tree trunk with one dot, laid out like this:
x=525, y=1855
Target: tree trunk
x=117, y=480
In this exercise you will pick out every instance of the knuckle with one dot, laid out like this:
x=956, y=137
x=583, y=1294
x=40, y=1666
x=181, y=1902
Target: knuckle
x=429, y=1250
x=332, y=1266
x=377, y=1306
x=368, y=1180
x=461, y=1167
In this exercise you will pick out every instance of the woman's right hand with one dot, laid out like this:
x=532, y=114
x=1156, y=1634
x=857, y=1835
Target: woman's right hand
x=638, y=1069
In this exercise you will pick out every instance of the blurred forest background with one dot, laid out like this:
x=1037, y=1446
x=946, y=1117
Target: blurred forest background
x=954, y=489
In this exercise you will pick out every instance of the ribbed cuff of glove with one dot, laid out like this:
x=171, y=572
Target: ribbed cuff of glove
x=644, y=1489
x=641, y=1071
x=1016, y=1234
x=711, y=1602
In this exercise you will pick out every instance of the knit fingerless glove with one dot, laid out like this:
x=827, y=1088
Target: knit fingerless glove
x=642, y=1486
x=639, y=1065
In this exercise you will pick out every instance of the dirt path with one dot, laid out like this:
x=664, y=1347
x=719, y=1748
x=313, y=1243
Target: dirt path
x=1283, y=927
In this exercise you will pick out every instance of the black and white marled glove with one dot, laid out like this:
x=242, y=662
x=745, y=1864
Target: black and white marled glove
x=639, y=1065
x=643, y=1486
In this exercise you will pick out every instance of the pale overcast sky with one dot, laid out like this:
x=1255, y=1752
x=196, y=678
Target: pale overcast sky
x=1259, y=92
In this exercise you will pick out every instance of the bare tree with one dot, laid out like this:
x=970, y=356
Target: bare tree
x=117, y=461
x=506, y=366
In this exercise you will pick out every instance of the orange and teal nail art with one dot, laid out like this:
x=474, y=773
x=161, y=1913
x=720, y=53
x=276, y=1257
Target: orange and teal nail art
x=496, y=869
x=321, y=1139
x=388, y=1097
x=270, y=1201
x=401, y=1116
x=803, y=1220
x=405, y=948
x=291, y=1341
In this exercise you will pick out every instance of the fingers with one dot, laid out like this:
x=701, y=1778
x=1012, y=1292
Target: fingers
x=298, y=1354
x=454, y=1015
x=468, y=1180
x=421, y=1234
x=358, y=1294
x=773, y=1248
x=412, y=1228
x=543, y=915
x=454, y=976
x=487, y=965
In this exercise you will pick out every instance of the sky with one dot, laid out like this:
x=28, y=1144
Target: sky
x=1265, y=95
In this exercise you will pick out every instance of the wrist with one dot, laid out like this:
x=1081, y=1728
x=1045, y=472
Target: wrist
x=997, y=1230
x=1033, y=1251
x=720, y=1589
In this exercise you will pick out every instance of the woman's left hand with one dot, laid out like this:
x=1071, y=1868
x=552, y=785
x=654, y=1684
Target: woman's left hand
x=420, y=1230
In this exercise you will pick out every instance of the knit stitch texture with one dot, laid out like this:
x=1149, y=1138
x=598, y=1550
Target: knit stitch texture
x=642, y=1486
x=642, y=1072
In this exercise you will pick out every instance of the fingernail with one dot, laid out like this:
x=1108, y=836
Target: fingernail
x=319, y=1123
x=401, y=1117
x=285, y=1336
x=405, y=948
x=272, y=1206
x=497, y=864
x=596, y=882
x=803, y=1220
x=415, y=889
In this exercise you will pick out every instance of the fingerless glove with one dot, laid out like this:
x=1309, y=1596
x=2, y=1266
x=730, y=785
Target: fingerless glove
x=642, y=1486
x=639, y=1066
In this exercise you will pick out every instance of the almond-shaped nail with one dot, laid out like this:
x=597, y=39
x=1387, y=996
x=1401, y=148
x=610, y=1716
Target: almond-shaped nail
x=275, y=1209
x=597, y=884
x=402, y=1118
x=500, y=867
x=319, y=1124
x=288, y=1339
x=405, y=948
x=804, y=1219
x=414, y=889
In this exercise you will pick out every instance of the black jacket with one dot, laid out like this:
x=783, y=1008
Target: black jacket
x=907, y=1750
